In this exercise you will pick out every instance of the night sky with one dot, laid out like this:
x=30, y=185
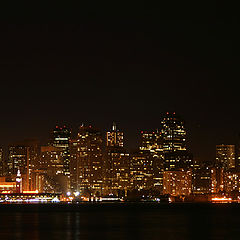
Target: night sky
x=128, y=64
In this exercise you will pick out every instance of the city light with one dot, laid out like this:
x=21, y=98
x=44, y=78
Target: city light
x=162, y=169
x=76, y=194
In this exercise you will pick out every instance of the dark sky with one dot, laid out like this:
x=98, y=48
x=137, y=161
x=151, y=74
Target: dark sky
x=128, y=64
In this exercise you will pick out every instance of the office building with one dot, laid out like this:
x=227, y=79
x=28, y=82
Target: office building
x=114, y=137
x=177, y=160
x=173, y=133
x=116, y=170
x=177, y=183
x=88, y=163
x=60, y=140
x=217, y=179
x=142, y=170
x=51, y=169
x=201, y=178
x=225, y=156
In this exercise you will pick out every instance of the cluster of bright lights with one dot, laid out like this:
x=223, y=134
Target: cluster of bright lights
x=221, y=199
x=76, y=194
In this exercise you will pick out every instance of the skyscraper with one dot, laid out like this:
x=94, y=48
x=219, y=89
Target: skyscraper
x=175, y=151
x=115, y=137
x=151, y=144
x=61, y=137
x=88, y=161
x=201, y=177
x=173, y=133
x=142, y=170
x=116, y=170
x=225, y=156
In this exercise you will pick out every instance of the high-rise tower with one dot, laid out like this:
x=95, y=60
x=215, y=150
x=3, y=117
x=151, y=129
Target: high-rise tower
x=61, y=137
x=175, y=151
x=173, y=133
x=115, y=137
x=225, y=156
x=87, y=172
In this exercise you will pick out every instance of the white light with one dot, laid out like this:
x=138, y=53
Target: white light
x=55, y=200
x=68, y=193
x=76, y=194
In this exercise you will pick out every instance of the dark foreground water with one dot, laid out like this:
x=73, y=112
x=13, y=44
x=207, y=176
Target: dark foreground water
x=120, y=221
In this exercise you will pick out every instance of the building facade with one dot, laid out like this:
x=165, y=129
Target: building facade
x=225, y=156
x=114, y=137
x=87, y=169
x=173, y=133
x=177, y=183
x=116, y=170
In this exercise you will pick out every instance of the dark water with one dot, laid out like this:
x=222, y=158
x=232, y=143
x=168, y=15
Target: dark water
x=120, y=221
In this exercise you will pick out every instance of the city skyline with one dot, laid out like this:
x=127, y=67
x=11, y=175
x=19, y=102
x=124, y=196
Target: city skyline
x=93, y=164
x=130, y=144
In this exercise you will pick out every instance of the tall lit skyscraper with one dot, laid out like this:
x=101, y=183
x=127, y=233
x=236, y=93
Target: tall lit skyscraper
x=88, y=170
x=116, y=170
x=176, y=155
x=225, y=156
x=61, y=137
x=173, y=133
x=116, y=163
x=114, y=137
x=151, y=144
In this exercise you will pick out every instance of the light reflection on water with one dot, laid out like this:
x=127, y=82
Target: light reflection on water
x=118, y=221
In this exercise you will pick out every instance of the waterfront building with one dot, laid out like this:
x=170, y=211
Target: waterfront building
x=177, y=183
x=7, y=185
x=23, y=156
